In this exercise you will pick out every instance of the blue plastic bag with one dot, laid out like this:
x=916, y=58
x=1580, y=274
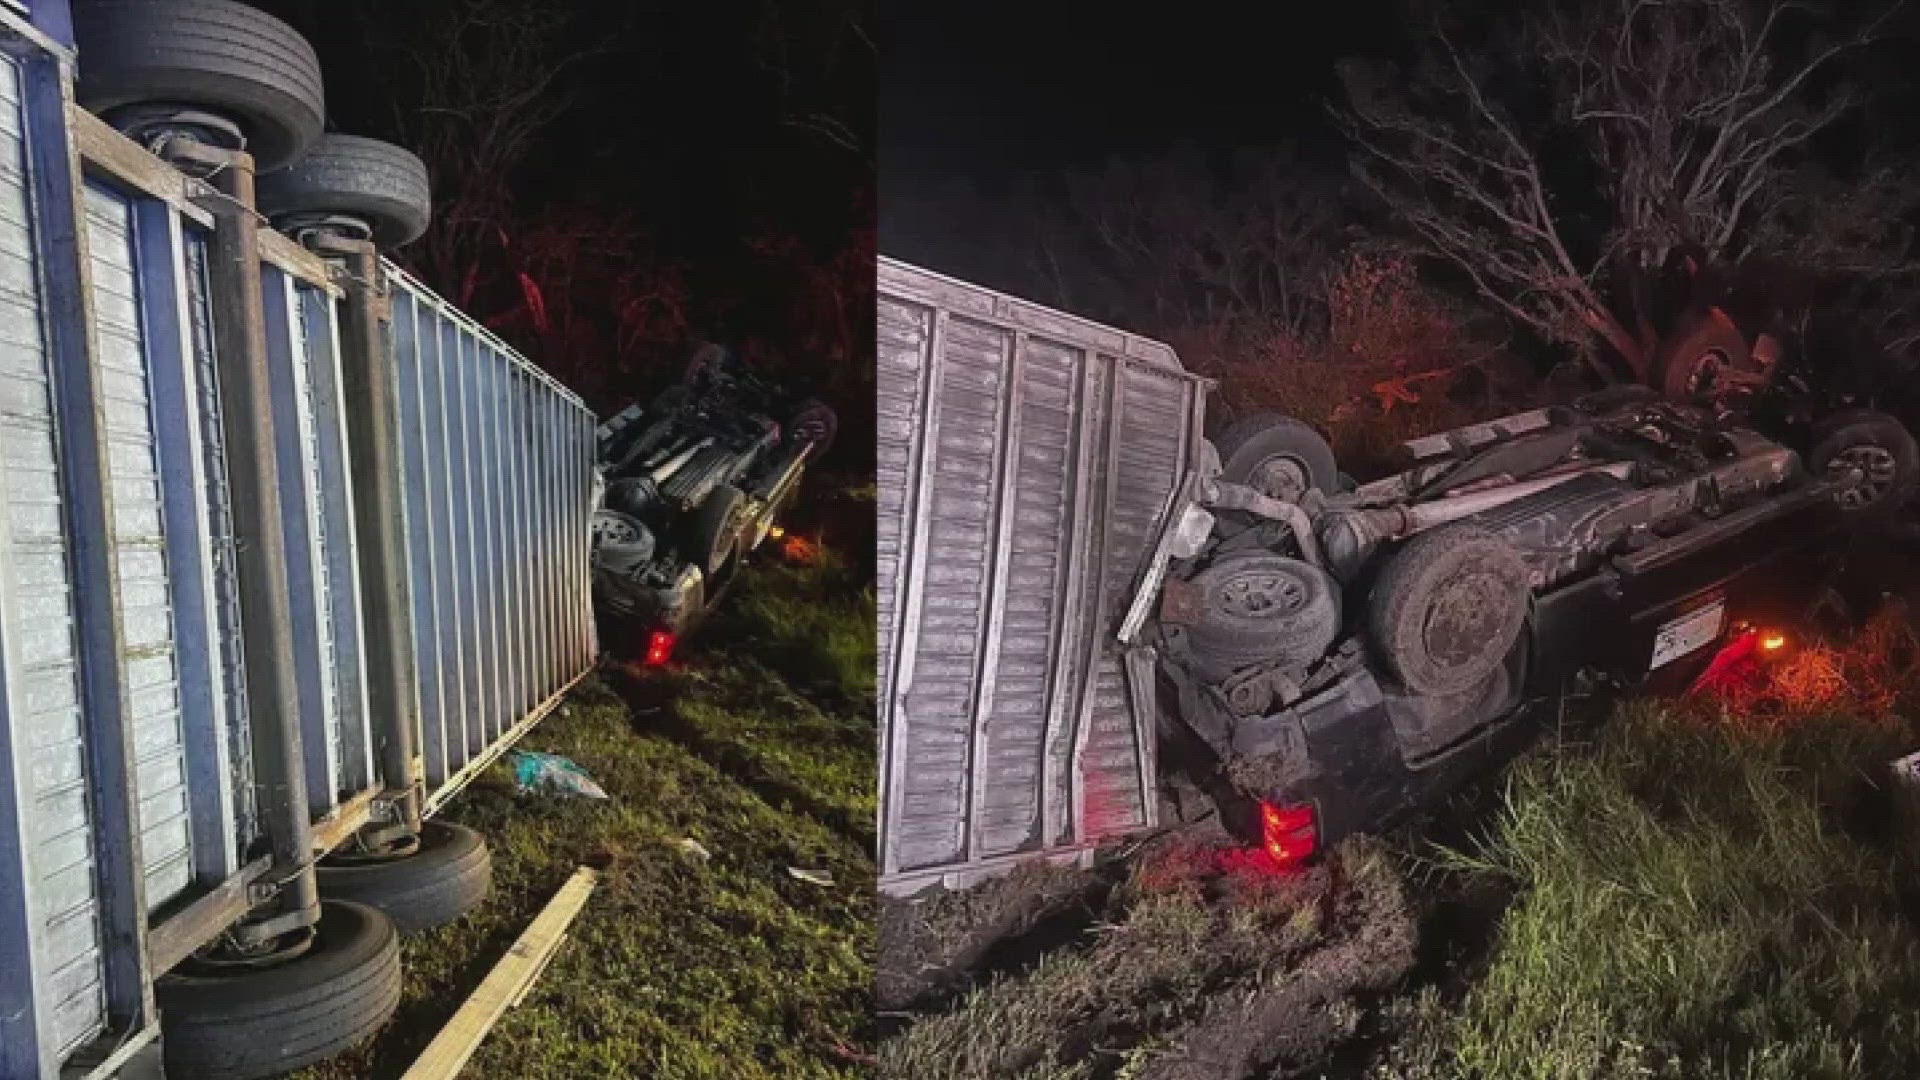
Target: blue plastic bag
x=534, y=771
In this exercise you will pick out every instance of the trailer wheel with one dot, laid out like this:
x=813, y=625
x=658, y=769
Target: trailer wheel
x=715, y=531
x=376, y=183
x=1277, y=456
x=449, y=875
x=1447, y=607
x=1257, y=606
x=264, y=1021
x=224, y=57
x=1876, y=451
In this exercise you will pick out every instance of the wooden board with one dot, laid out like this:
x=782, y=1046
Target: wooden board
x=506, y=985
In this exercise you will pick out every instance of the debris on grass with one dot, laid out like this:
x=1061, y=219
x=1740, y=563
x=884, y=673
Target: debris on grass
x=695, y=848
x=551, y=773
x=811, y=877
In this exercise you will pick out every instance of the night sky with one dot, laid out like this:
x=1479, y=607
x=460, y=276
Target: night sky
x=979, y=99
x=694, y=122
x=976, y=98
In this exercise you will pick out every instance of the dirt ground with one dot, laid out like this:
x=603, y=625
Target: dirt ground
x=1192, y=960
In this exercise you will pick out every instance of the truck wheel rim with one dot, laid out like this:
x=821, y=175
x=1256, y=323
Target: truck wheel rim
x=1261, y=595
x=1873, y=469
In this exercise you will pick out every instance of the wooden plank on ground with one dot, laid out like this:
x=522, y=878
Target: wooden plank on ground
x=505, y=985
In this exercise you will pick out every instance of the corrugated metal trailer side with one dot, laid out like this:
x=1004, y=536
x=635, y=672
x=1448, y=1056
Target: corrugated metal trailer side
x=497, y=466
x=1027, y=458
x=141, y=809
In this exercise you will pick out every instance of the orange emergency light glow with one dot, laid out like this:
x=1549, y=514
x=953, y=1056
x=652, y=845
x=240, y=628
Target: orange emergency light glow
x=776, y=532
x=1287, y=833
x=659, y=647
x=1770, y=642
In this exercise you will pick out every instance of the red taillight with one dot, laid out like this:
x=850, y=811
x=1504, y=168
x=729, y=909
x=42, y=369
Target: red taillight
x=659, y=647
x=1287, y=832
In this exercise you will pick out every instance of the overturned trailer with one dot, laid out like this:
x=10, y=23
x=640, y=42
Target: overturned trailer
x=290, y=548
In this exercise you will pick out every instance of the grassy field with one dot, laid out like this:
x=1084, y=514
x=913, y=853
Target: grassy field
x=758, y=745
x=1720, y=887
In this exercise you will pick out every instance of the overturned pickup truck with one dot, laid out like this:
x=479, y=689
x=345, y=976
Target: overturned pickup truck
x=1335, y=657
x=1084, y=601
x=693, y=481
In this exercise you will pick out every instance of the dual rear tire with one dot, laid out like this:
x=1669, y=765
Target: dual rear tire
x=232, y=1022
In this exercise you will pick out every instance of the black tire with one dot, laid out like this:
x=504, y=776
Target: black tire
x=269, y=1021
x=379, y=183
x=814, y=423
x=218, y=55
x=1276, y=455
x=1446, y=608
x=713, y=535
x=1880, y=447
x=1256, y=606
x=448, y=876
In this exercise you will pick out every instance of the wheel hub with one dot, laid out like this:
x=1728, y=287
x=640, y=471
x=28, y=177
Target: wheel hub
x=311, y=230
x=1464, y=620
x=1259, y=595
x=1282, y=476
x=229, y=954
x=1868, y=472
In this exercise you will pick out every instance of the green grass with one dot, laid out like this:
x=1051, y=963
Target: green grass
x=1701, y=892
x=680, y=968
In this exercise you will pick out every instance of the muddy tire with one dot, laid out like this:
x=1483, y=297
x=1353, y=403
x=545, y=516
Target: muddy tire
x=383, y=185
x=1447, y=607
x=713, y=536
x=1259, y=607
x=216, y=55
x=447, y=877
x=1874, y=447
x=269, y=1021
x=1277, y=456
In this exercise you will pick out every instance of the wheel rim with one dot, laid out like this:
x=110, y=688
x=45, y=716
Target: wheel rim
x=1869, y=472
x=1261, y=594
x=614, y=528
x=1282, y=476
x=812, y=428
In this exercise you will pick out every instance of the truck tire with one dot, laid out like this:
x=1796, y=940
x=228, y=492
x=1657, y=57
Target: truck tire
x=1277, y=456
x=221, y=56
x=383, y=185
x=1445, y=610
x=268, y=1021
x=1256, y=606
x=448, y=876
x=714, y=534
x=1879, y=447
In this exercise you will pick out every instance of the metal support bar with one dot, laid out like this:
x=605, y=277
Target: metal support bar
x=240, y=346
x=370, y=387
